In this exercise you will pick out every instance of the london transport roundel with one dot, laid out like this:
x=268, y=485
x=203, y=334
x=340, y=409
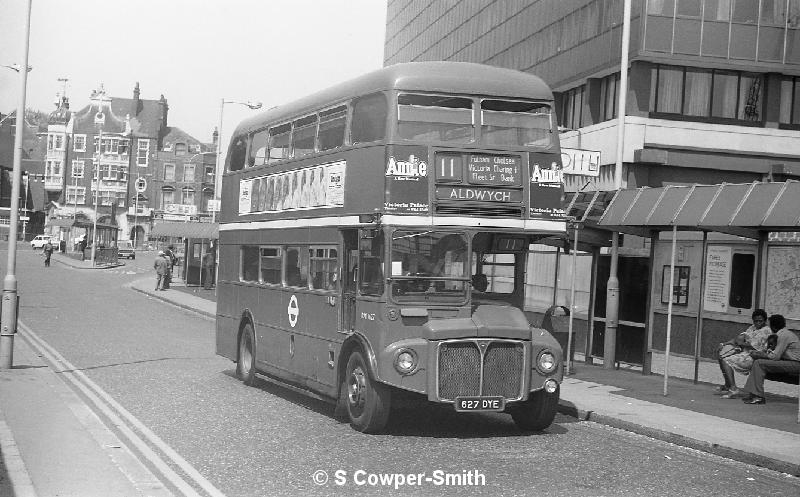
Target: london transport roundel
x=141, y=185
x=293, y=310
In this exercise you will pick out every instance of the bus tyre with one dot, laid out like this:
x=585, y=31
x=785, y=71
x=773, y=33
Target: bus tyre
x=368, y=401
x=246, y=366
x=538, y=412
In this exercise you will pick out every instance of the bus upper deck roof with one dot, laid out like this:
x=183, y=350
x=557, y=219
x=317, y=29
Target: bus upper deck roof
x=447, y=77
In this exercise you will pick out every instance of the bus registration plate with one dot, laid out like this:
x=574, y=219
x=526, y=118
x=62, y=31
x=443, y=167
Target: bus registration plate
x=479, y=403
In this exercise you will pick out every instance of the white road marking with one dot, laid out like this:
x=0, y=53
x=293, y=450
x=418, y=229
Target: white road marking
x=113, y=411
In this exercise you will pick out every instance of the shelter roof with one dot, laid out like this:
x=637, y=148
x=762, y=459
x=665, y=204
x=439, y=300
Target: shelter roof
x=738, y=209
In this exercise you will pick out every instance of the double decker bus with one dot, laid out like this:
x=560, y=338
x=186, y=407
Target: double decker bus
x=373, y=239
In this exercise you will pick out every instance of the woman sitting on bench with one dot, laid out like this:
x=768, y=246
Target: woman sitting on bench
x=734, y=355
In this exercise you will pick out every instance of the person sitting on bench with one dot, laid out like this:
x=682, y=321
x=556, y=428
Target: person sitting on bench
x=784, y=359
x=734, y=355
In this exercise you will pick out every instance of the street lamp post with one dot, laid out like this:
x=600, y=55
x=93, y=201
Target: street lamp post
x=97, y=191
x=8, y=314
x=218, y=165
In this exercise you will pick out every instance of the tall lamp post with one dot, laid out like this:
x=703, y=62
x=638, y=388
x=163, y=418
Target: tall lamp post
x=8, y=315
x=612, y=287
x=218, y=164
x=97, y=191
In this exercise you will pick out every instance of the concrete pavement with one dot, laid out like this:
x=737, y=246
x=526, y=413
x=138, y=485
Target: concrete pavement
x=53, y=444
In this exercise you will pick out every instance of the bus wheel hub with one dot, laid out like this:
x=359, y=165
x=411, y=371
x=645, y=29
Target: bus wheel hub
x=357, y=384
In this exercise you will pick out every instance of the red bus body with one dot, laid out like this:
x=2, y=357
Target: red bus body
x=324, y=245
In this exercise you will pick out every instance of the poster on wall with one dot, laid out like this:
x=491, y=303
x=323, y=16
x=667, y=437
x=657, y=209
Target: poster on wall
x=718, y=279
x=783, y=281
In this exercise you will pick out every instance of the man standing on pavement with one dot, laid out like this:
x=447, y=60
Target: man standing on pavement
x=161, y=265
x=47, y=251
x=784, y=359
x=208, y=269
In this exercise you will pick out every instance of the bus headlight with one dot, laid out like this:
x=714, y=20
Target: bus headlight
x=547, y=362
x=405, y=361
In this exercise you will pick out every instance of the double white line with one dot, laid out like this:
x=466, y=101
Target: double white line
x=128, y=426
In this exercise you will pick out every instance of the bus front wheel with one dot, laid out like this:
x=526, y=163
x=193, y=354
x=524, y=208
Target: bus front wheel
x=368, y=401
x=246, y=366
x=537, y=413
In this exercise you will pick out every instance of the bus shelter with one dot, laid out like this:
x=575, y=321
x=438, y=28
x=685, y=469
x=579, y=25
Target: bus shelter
x=70, y=231
x=198, y=242
x=750, y=210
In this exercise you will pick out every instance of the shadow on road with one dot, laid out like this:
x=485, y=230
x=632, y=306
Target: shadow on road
x=419, y=418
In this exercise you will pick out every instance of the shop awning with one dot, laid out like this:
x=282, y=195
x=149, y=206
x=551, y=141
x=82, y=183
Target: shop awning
x=69, y=223
x=737, y=209
x=186, y=230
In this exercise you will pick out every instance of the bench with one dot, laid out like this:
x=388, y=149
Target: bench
x=789, y=378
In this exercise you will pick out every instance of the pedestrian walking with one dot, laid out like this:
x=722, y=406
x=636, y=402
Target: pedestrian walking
x=161, y=265
x=47, y=251
x=82, y=247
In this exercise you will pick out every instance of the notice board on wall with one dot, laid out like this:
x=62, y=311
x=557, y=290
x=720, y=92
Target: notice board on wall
x=718, y=279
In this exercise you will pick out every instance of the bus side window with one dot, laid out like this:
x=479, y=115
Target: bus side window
x=324, y=267
x=371, y=264
x=332, y=123
x=279, y=137
x=369, y=119
x=258, y=149
x=237, y=153
x=296, y=267
x=305, y=131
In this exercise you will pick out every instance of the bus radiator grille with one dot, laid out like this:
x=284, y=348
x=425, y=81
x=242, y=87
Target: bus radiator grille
x=460, y=365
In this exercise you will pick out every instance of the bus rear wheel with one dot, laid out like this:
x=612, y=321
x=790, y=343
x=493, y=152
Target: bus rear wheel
x=246, y=366
x=538, y=412
x=368, y=402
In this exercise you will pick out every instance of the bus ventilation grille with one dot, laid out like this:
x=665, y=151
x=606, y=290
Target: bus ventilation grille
x=482, y=211
x=461, y=363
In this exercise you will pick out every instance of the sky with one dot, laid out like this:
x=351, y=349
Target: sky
x=194, y=52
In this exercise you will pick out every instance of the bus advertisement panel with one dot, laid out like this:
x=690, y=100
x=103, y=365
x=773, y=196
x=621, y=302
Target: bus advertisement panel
x=374, y=239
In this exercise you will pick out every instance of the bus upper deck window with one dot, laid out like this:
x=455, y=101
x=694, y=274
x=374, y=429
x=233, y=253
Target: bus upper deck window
x=435, y=118
x=305, y=132
x=279, y=141
x=258, y=149
x=516, y=123
x=332, y=124
x=369, y=119
x=237, y=153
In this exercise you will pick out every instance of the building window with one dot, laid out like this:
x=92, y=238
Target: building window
x=571, y=115
x=180, y=149
x=707, y=94
x=790, y=101
x=77, y=169
x=608, y=95
x=142, y=152
x=188, y=173
x=187, y=196
x=76, y=195
x=79, y=143
x=167, y=197
x=169, y=172
x=53, y=168
x=55, y=141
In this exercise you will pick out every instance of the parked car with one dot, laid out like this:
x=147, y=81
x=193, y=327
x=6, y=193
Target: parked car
x=125, y=249
x=41, y=240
